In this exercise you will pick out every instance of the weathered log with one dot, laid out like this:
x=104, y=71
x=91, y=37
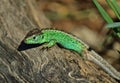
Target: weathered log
x=54, y=65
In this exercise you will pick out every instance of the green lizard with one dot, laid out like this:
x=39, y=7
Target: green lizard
x=52, y=37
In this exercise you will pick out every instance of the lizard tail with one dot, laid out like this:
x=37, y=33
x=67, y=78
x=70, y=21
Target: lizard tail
x=96, y=58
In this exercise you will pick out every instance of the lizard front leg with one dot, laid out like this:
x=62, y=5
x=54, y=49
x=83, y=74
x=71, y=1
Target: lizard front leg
x=49, y=44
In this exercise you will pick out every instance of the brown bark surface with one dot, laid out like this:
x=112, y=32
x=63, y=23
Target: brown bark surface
x=54, y=65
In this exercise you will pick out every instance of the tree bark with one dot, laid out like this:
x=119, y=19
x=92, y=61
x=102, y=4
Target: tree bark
x=54, y=65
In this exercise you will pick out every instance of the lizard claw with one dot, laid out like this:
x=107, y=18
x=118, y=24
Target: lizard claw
x=45, y=47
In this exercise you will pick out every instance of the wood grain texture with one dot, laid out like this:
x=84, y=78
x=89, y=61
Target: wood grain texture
x=54, y=65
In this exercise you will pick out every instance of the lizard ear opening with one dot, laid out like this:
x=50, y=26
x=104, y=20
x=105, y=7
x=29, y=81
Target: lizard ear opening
x=33, y=32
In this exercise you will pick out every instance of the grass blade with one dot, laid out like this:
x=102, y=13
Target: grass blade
x=114, y=7
x=117, y=7
x=104, y=14
x=113, y=25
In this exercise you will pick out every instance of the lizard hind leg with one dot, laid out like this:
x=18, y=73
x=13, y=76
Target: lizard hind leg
x=83, y=54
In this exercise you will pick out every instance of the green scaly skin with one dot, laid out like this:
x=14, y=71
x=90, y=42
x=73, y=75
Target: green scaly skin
x=52, y=37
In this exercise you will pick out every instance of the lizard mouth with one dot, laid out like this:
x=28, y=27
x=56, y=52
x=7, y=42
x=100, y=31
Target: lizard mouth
x=25, y=41
x=28, y=41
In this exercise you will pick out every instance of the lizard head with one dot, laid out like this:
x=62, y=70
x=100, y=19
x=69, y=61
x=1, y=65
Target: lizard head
x=34, y=37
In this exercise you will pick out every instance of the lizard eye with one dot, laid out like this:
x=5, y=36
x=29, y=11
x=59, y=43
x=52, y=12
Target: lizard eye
x=34, y=37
